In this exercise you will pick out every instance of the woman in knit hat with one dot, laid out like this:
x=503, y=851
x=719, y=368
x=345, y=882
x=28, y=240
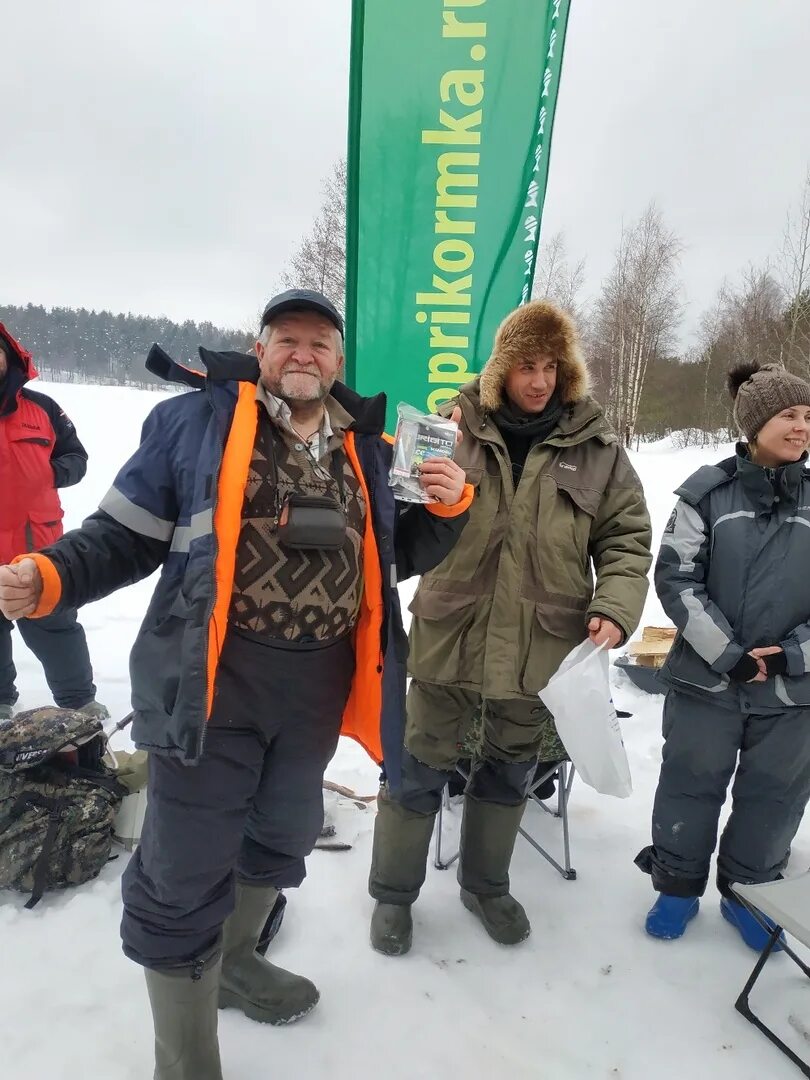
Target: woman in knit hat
x=732, y=576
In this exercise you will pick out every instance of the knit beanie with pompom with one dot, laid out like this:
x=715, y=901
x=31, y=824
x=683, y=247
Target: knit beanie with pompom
x=760, y=393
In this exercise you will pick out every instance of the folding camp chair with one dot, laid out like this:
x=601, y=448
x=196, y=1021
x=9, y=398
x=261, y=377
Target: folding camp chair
x=564, y=772
x=786, y=903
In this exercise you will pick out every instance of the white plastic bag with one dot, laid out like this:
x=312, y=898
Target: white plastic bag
x=578, y=697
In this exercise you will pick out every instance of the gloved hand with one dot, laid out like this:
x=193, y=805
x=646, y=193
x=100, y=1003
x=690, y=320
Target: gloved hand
x=774, y=658
x=748, y=669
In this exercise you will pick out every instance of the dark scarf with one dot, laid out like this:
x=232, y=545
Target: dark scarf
x=521, y=431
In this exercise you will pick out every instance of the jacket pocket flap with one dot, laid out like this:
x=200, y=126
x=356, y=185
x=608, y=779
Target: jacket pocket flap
x=561, y=622
x=587, y=499
x=52, y=516
x=435, y=604
x=20, y=436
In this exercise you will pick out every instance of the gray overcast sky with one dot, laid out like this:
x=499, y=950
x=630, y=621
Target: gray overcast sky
x=165, y=157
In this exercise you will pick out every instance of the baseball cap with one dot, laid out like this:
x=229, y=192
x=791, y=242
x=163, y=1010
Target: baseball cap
x=302, y=300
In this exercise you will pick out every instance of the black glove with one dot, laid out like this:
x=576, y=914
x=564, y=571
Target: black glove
x=776, y=664
x=745, y=669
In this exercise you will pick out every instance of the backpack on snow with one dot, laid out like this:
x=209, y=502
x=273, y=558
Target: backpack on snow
x=58, y=801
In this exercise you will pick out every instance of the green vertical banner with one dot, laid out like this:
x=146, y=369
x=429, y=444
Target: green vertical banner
x=451, y=113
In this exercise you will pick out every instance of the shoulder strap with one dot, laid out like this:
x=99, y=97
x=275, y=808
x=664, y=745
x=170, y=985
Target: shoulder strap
x=55, y=806
x=337, y=464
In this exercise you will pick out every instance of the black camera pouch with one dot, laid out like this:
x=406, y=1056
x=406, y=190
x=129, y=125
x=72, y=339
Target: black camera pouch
x=306, y=522
x=312, y=521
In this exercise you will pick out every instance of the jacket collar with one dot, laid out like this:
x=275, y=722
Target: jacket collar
x=764, y=485
x=580, y=421
x=367, y=413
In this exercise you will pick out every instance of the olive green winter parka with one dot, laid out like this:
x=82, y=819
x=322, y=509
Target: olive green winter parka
x=535, y=563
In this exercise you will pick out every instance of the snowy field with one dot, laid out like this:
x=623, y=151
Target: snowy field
x=589, y=995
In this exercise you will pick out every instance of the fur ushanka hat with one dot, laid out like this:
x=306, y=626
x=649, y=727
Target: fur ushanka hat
x=536, y=328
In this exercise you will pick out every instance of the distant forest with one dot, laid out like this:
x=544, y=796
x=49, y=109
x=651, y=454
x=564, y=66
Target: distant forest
x=77, y=345
x=648, y=384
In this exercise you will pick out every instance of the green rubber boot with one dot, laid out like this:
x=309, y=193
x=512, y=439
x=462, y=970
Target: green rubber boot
x=488, y=834
x=259, y=989
x=392, y=929
x=398, y=868
x=184, y=1010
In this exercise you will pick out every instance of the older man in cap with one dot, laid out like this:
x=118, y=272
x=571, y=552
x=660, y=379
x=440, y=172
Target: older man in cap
x=275, y=625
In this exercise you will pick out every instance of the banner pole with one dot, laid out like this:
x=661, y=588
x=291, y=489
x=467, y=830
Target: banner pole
x=564, y=11
x=353, y=188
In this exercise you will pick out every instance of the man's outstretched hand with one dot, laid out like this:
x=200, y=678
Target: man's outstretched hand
x=20, y=589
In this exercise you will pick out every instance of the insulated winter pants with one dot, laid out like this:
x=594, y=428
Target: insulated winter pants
x=58, y=642
x=253, y=806
x=770, y=791
x=437, y=737
x=440, y=719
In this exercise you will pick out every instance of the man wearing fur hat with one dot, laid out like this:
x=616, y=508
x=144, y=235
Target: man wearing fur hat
x=556, y=500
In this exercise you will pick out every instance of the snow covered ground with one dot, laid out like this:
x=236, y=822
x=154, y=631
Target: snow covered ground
x=588, y=995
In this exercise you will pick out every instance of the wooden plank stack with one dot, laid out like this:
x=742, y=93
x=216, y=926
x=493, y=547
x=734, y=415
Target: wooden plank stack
x=652, y=650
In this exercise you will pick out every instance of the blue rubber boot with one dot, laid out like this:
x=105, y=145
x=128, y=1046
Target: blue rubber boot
x=670, y=915
x=751, y=931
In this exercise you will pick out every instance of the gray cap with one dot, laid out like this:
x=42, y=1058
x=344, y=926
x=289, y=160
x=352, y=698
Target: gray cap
x=302, y=300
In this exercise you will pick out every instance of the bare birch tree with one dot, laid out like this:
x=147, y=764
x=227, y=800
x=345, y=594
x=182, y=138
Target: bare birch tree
x=711, y=327
x=794, y=278
x=753, y=317
x=557, y=279
x=637, y=315
x=320, y=260
x=745, y=322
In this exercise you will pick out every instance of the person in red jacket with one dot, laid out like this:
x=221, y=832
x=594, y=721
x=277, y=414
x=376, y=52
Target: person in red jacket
x=39, y=453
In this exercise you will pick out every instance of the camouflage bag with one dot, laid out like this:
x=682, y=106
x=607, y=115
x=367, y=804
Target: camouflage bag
x=57, y=801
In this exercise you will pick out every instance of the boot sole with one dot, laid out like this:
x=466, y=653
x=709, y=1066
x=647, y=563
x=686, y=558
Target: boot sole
x=471, y=904
x=393, y=948
x=229, y=1000
x=385, y=939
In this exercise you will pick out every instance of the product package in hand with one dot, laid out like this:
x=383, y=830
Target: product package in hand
x=419, y=436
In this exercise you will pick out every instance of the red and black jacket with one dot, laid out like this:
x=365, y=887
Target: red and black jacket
x=39, y=452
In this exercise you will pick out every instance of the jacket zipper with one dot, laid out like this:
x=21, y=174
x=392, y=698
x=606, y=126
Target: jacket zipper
x=370, y=481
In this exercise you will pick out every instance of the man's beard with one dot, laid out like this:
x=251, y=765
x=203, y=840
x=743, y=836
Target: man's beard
x=300, y=388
